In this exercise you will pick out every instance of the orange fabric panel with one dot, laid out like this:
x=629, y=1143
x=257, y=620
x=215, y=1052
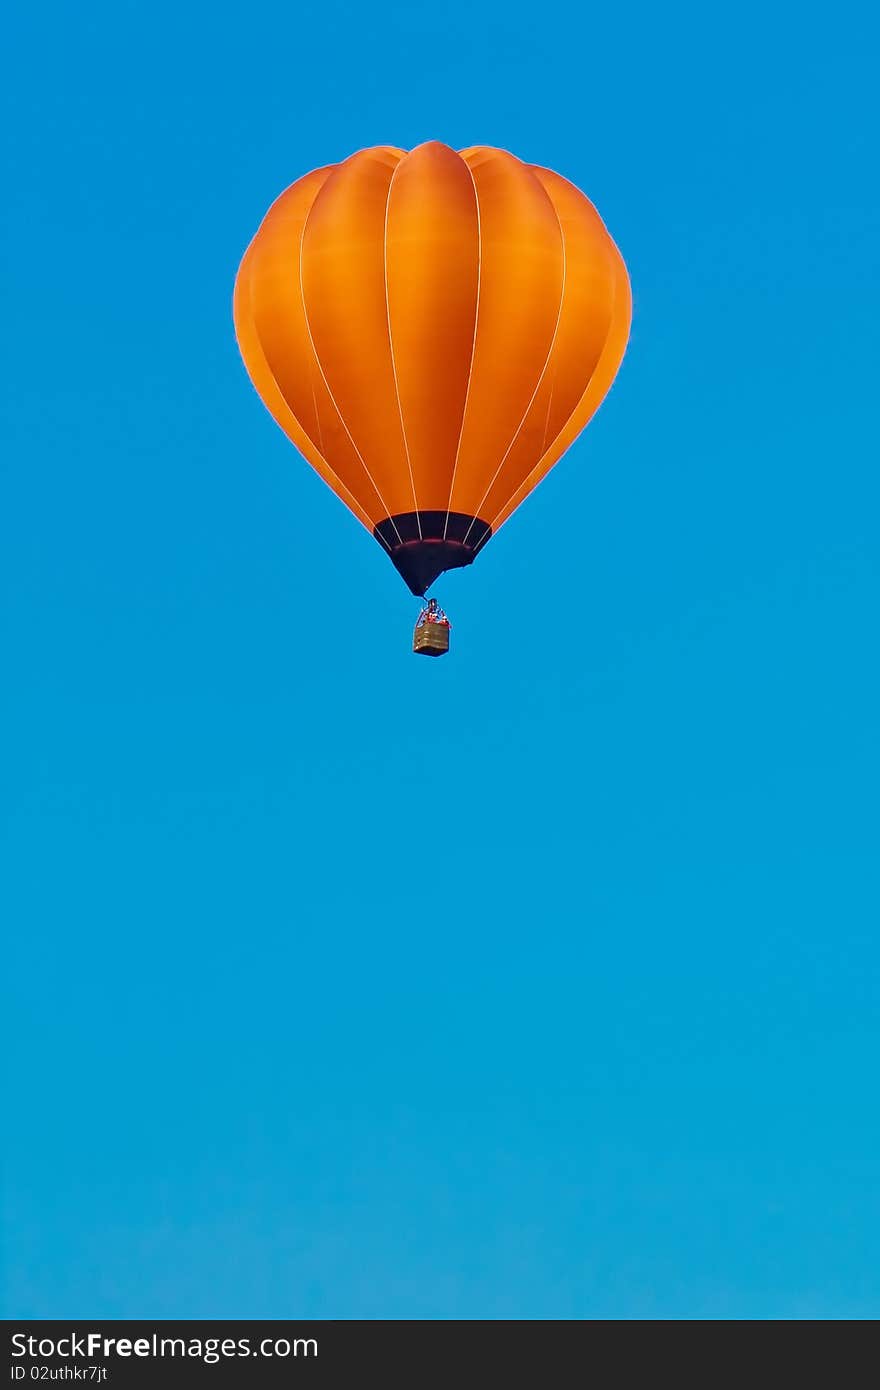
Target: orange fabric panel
x=595, y=393
x=521, y=283
x=343, y=281
x=432, y=261
x=276, y=301
x=584, y=326
x=271, y=395
x=278, y=324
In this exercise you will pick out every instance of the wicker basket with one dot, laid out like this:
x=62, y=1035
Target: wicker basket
x=431, y=639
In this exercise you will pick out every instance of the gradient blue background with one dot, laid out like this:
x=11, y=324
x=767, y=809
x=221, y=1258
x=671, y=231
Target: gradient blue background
x=614, y=1051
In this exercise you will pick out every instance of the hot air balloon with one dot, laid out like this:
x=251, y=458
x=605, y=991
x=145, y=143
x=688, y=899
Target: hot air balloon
x=432, y=330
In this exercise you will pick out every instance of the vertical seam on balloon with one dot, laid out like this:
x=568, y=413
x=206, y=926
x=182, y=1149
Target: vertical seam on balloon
x=543, y=373
x=467, y=394
x=547, y=423
x=326, y=382
x=412, y=480
x=359, y=511
x=581, y=399
x=317, y=415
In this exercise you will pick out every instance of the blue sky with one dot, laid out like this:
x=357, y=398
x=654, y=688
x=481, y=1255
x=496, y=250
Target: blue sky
x=615, y=1052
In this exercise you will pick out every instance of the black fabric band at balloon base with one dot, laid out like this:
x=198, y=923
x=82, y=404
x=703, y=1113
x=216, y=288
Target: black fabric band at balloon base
x=424, y=544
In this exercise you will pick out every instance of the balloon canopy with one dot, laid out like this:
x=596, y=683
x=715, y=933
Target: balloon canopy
x=432, y=329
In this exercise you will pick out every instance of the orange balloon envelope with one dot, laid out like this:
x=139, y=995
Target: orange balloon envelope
x=432, y=329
